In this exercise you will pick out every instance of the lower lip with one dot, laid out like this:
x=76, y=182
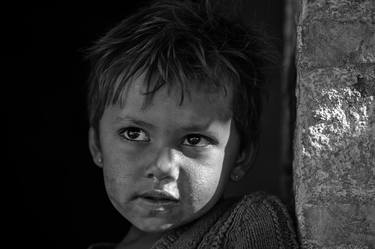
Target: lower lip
x=159, y=205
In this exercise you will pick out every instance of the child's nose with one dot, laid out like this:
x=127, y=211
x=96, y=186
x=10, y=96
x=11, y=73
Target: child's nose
x=164, y=166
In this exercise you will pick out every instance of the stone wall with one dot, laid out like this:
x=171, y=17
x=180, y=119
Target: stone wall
x=334, y=144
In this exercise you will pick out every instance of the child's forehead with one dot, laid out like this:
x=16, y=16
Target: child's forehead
x=182, y=92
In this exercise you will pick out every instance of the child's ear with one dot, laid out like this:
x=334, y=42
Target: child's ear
x=94, y=147
x=243, y=163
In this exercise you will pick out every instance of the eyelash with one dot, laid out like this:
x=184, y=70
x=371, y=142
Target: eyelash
x=122, y=133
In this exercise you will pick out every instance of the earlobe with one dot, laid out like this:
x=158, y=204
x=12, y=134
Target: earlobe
x=94, y=148
x=237, y=173
x=242, y=164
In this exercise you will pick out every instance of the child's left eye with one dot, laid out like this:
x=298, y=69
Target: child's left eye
x=196, y=140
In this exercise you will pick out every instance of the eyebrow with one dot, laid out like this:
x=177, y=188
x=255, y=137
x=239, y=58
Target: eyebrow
x=134, y=121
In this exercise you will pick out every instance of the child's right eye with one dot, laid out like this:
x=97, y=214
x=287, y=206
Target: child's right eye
x=134, y=134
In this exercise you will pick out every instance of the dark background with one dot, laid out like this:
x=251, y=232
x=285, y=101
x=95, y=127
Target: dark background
x=56, y=194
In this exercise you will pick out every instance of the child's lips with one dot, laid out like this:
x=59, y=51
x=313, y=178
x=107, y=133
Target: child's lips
x=157, y=199
x=159, y=195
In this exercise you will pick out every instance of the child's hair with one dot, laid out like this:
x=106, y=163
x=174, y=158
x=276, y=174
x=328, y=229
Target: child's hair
x=180, y=43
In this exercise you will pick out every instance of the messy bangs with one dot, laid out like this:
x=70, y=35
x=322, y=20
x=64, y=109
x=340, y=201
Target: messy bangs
x=175, y=61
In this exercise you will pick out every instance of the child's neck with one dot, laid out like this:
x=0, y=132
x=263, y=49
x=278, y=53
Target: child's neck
x=138, y=239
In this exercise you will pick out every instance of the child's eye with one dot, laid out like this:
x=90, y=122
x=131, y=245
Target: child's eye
x=196, y=140
x=134, y=134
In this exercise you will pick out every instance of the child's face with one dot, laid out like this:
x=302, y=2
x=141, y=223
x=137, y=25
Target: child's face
x=186, y=151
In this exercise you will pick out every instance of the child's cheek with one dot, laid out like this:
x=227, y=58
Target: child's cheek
x=120, y=172
x=200, y=179
x=116, y=182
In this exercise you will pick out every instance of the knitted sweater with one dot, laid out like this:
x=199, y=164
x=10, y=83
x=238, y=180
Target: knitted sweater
x=255, y=221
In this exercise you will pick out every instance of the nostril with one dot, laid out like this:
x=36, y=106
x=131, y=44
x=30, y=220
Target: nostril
x=153, y=176
x=150, y=175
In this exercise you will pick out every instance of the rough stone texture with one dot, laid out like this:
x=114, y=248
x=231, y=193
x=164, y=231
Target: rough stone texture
x=334, y=165
x=336, y=43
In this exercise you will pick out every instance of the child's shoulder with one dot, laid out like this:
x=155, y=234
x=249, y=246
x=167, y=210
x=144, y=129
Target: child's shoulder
x=260, y=206
x=258, y=220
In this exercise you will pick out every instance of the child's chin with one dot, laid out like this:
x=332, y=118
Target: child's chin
x=154, y=225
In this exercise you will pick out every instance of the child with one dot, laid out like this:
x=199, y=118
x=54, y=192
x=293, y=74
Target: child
x=174, y=105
